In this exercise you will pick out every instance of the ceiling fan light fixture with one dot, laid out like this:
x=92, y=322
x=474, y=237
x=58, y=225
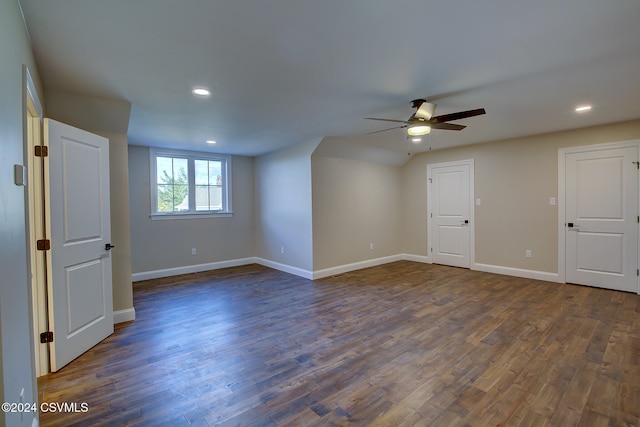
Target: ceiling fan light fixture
x=418, y=130
x=416, y=139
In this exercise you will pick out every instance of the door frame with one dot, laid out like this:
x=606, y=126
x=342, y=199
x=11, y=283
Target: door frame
x=33, y=116
x=472, y=221
x=562, y=158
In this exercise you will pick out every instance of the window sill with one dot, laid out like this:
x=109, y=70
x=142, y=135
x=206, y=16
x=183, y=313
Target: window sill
x=203, y=215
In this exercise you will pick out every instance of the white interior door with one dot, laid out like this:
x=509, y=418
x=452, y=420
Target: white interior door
x=80, y=292
x=450, y=213
x=601, y=232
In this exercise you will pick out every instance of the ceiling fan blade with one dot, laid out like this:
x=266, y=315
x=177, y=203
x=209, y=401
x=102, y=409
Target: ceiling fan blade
x=386, y=120
x=457, y=116
x=384, y=130
x=447, y=126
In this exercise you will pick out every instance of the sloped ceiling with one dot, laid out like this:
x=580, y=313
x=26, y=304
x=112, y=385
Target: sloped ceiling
x=287, y=71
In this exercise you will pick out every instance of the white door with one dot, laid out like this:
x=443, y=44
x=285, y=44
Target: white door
x=601, y=216
x=450, y=213
x=80, y=295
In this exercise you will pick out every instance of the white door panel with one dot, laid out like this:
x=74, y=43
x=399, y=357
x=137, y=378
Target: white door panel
x=450, y=189
x=602, y=218
x=80, y=295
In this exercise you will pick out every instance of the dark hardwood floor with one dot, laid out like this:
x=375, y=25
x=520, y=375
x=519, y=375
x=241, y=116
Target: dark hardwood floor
x=399, y=344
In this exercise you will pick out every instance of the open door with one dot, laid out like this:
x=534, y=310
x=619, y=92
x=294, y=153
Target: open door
x=80, y=291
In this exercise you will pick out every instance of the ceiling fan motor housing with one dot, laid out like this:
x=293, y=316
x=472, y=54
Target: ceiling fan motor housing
x=416, y=103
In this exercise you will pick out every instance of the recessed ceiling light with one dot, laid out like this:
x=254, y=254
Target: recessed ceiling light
x=583, y=108
x=200, y=91
x=211, y=141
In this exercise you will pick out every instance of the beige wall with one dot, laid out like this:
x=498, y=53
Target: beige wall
x=120, y=223
x=514, y=180
x=355, y=203
x=163, y=244
x=17, y=368
x=284, y=220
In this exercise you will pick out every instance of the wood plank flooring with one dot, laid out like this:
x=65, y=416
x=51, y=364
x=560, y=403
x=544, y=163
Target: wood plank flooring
x=395, y=345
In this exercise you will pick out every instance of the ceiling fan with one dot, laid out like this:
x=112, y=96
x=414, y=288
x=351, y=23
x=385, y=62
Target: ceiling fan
x=422, y=121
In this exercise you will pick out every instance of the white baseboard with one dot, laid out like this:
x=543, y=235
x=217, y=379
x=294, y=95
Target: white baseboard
x=518, y=272
x=416, y=258
x=121, y=316
x=332, y=271
x=326, y=272
x=175, y=271
x=285, y=267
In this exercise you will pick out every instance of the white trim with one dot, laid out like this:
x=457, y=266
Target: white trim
x=332, y=271
x=32, y=92
x=562, y=268
x=562, y=159
x=416, y=258
x=191, y=157
x=126, y=315
x=195, y=215
x=340, y=269
x=472, y=220
x=175, y=271
x=285, y=267
x=32, y=136
x=35, y=422
x=518, y=272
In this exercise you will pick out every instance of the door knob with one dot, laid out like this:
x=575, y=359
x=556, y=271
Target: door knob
x=108, y=247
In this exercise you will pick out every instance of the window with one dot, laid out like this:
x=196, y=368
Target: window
x=189, y=184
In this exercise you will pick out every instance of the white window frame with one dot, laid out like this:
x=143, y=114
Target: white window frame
x=191, y=157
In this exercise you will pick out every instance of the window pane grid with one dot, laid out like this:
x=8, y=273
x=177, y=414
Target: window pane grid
x=172, y=183
x=188, y=183
x=208, y=185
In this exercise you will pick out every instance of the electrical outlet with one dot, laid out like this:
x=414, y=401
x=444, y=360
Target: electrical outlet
x=193, y=251
x=281, y=249
x=370, y=246
x=527, y=253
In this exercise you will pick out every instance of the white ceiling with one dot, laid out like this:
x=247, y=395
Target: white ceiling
x=288, y=71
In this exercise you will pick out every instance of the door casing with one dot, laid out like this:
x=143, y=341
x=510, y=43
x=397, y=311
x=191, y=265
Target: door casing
x=33, y=117
x=562, y=155
x=471, y=226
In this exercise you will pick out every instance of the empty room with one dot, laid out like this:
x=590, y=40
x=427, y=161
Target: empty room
x=330, y=213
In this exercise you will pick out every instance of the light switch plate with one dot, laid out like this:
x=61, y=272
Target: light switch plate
x=20, y=175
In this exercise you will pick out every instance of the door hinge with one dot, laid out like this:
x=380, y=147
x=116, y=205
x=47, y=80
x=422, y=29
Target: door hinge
x=43, y=245
x=46, y=337
x=638, y=272
x=41, y=151
x=431, y=250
